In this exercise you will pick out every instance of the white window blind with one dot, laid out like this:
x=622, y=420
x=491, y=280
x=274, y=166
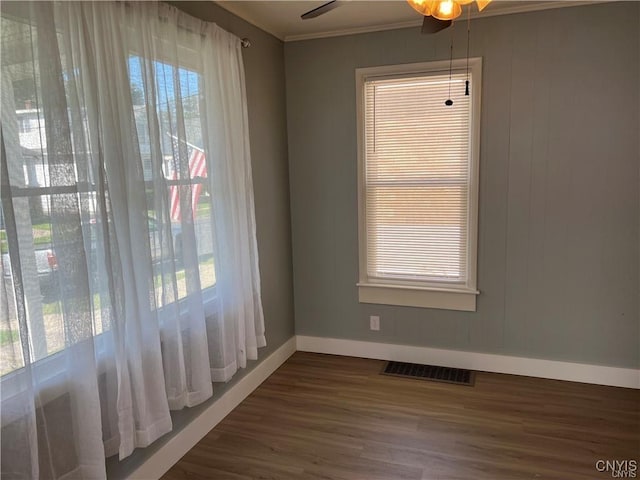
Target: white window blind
x=417, y=179
x=418, y=183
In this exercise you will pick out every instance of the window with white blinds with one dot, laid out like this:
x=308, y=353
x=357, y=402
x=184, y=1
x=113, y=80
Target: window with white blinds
x=418, y=180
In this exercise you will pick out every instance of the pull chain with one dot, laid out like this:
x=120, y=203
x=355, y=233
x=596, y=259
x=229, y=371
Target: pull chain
x=449, y=102
x=466, y=83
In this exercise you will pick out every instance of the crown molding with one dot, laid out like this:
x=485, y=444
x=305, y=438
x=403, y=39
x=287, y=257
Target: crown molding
x=525, y=8
x=250, y=18
x=258, y=22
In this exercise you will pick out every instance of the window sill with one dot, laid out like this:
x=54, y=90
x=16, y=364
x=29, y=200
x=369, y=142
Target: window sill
x=422, y=297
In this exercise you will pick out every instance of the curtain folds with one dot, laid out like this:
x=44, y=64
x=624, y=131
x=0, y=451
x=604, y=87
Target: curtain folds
x=130, y=276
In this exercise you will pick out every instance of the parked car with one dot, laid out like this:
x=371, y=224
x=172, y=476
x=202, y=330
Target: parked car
x=176, y=234
x=46, y=266
x=154, y=237
x=47, y=263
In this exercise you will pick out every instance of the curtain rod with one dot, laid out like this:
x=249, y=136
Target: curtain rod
x=245, y=42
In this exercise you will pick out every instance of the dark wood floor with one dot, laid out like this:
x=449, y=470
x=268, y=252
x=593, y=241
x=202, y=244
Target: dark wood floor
x=330, y=417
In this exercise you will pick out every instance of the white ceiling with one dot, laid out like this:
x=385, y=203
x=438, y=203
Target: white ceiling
x=282, y=19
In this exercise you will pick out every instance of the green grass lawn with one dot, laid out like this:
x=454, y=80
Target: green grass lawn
x=8, y=336
x=41, y=236
x=42, y=230
x=52, y=308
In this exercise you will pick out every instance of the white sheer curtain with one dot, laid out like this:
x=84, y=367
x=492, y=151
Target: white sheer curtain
x=130, y=274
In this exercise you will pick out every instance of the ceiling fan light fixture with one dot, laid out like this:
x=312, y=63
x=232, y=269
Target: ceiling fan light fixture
x=482, y=4
x=439, y=14
x=446, y=9
x=423, y=7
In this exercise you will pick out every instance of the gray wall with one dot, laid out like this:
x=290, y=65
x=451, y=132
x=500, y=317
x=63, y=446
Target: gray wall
x=264, y=68
x=559, y=204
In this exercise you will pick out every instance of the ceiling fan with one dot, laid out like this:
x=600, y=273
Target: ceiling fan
x=322, y=9
x=438, y=14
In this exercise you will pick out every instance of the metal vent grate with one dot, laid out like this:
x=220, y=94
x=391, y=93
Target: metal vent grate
x=458, y=376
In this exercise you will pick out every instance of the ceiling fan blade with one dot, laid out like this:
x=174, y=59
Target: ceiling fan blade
x=324, y=8
x=433, y=25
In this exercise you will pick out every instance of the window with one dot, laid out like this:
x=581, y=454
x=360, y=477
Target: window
x=178, y=92
x=45, y=200
x=129, y=264
x=418, y=184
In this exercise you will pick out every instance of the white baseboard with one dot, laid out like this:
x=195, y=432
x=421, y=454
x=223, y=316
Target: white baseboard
x=162, y=460
x=530, y=367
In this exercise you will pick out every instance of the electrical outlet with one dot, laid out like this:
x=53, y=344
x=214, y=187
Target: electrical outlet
x=374, y=322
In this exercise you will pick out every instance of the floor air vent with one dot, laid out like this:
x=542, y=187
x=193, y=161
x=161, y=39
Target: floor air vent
x=459, y=376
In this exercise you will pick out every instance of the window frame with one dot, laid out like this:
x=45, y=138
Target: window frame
x=51, y=367
x=431, y=294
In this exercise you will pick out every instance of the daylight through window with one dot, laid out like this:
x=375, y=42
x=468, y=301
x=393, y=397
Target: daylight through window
x=418, y=183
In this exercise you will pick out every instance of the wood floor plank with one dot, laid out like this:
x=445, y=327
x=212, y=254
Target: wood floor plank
x=330, y=417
